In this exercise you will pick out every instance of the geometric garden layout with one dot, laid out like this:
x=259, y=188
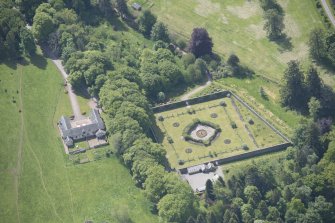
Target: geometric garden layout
x=211, y=130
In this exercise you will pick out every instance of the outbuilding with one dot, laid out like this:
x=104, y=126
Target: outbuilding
x=136, y=6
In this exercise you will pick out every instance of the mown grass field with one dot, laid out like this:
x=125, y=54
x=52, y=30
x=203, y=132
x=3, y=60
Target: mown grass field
x=237, y=26
x=262, y=134
x=38, y=183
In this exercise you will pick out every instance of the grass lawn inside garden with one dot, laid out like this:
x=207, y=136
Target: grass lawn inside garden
x=262, y=135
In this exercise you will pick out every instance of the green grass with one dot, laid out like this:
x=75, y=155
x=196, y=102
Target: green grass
x=50, y=188
x=263, y=135
x=237, y=26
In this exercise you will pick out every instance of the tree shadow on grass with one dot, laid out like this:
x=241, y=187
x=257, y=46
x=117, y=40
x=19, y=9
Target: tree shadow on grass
x=12, y=63
x=39, y=61
x=284, y=43
x=82, y=92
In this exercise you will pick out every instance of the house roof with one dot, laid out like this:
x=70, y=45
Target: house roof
x=100, y=133
x=136, y=6
x=84, y=130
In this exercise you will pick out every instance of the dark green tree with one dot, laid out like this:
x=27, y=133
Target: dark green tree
x=317, y=47
x=233, y=60
x=292, y=92
x=146, y=21
x=28, y=7
x=200, y=43
x=313, y=83
x=209, y=192
x=27, y=43
x=121, y=6
x=274, y=24
x=160, y=32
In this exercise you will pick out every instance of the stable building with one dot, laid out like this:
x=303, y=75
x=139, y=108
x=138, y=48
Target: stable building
x=84, y=129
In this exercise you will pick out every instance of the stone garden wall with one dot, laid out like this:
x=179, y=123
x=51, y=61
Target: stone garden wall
x=192, y=101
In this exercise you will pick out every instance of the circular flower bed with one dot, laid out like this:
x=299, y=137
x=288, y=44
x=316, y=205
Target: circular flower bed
x=202, y=132
x=214, y=115
x=227, y=141
x=188, y=150
x=176, y=124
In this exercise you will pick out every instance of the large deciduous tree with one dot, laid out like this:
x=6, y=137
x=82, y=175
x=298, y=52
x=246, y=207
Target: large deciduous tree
x=146, y=22
x=292, y=91
x=11, y=24
x=27, y=43
x=160, y=32
x=317, y=47
x=44, y=23
x=274, y=24
x=122, y=7
x=200, y=43
x=313, y=83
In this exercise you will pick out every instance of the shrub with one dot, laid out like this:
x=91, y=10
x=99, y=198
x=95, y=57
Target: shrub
x=169, y=139
x=181, y=162
x=160, y=118
x=83, y=113
x=245, y=147
x=233, y=125
x=223, y=104
x=250, y=121
x=181, y=44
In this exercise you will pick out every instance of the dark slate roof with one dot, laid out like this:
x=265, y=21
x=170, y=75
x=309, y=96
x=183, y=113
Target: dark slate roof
x=95, y=117
x=83, y=131
x=100, y=133
x=136, y=6
x=68, y=141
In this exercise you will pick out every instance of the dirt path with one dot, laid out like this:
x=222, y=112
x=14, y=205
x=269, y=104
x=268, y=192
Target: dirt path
x=73, y=97
x=17, y=170
x=328, y=11
x=195, y=90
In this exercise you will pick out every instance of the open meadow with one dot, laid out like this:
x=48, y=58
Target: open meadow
x=251, y=132
x=38, y=183
x=237, y=26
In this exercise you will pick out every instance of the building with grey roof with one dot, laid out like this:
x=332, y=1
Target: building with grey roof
x=136, y=6
x=73, y=131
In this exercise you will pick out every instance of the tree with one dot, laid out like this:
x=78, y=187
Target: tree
x=121, y=6
x=154, y=185
x=11, y=24
x=146, y=22
x=317, y=48
x=269, y=4
x=233, y=60
x=188, y=59
x=43, y=25
x=160, y=32
x=313, y=83
x=161, y=96
x=314, y=108
x=274, y=24
x=28, y=7
x=292, y=92
x=175, y=207
x=252, y=194
x=209, y=192
x=200, y=43
x=27, y=43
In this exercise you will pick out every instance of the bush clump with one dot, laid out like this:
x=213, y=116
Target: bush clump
x=160, y=118
x=233, y=125
x=169, y=139
x=223, y=104
x=245, y=147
